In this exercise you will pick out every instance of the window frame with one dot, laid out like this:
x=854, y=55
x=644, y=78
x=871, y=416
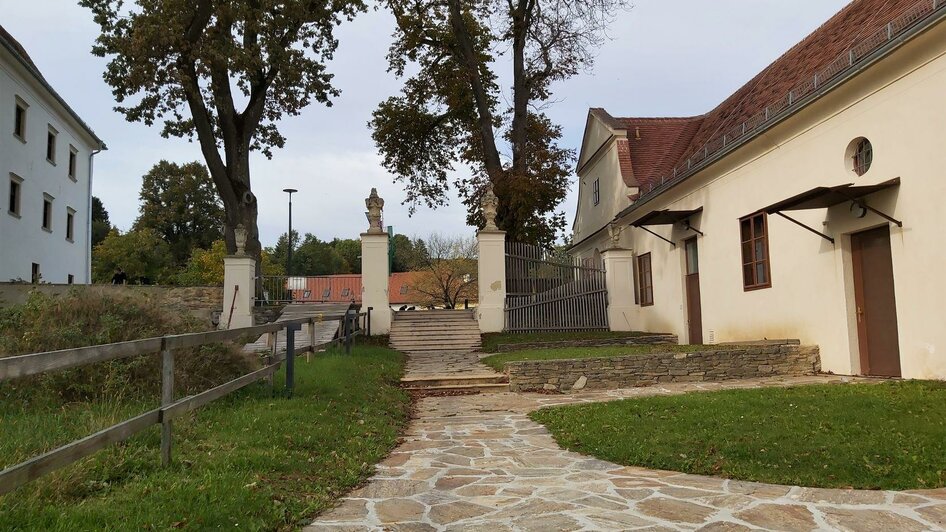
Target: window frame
x=73, y=169
x=18, y=201
x=20, y=105
x=70, y=224
x=765, y=261
x=47, y=215
x=52, y=136
x=863, y=156
x=645, y=278
x=596, y=192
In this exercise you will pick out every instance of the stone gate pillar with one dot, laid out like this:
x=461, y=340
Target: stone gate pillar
x=619, y=276
x=491, y=276
x=374, y=268
x=239, y=286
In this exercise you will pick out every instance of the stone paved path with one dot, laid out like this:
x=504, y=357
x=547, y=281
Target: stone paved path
x=479, y=463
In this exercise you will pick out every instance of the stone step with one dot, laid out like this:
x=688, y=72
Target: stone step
x=439, y=346
x=397, y=327
x=436, y=334
x=454, y=380
x=480, y=388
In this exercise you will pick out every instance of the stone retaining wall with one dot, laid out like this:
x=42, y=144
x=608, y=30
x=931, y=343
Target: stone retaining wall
x=734, y=362
x=649, y=339
x=267, y=314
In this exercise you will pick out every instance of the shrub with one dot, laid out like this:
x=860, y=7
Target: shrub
x=79, y=319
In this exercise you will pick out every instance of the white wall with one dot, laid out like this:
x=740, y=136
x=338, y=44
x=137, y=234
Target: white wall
x=605, y=167
x=898, y=105
x=23, y=241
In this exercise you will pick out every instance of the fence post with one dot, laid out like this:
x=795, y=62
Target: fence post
x=619, y=280
x=368, y=322
x=491, y=280
x=291, y=358
x=374, y=265
x=167, y=397
x=239, y=287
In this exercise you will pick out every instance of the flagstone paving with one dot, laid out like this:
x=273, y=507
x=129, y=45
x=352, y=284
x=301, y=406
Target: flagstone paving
x=477, y=462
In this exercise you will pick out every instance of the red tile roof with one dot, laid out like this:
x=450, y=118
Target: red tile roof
x=666, y=143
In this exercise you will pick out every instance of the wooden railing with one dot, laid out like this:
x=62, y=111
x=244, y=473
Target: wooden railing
x=34, y=364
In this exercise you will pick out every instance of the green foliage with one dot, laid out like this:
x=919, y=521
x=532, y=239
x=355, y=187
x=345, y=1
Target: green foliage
x=101, y=225
x=143, y=254
x=251, y=460
x=865, y=436
x=205, y=266
x=349, y=250
x=312, y=256
x=499, y=360
x=86, y=317
x=179, y=203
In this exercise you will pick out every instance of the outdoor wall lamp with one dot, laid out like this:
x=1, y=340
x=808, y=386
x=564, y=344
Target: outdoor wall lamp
x=858, y=209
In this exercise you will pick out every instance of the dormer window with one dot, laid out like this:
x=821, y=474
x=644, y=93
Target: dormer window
x=596, y=191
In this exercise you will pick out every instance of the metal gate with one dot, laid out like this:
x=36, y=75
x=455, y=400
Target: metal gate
x=546, y=291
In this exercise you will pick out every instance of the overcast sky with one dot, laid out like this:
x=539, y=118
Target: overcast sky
x=665, y=58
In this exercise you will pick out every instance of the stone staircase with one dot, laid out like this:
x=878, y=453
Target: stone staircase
x=442, y=348
x=435, y=330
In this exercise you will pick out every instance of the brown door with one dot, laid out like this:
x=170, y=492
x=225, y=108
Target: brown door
x=876, y=305
x=694, y=311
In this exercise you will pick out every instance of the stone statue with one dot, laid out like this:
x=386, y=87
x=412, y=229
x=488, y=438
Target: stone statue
x=614, y=232
x=489, y=203
x=239, y=236
x=374, y=204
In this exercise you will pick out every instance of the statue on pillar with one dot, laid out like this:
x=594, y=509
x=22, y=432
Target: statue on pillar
x=374, y=204
x=490, y=204
x=614, y=232
x=239, y=237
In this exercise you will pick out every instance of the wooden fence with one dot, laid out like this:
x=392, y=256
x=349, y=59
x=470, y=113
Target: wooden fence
x=549, y=292
x=34, y=364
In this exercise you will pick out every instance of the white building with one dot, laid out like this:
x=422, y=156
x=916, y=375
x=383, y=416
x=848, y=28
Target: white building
x=45, y=174
x=804, y=206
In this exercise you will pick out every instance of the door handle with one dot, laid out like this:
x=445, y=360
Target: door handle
x=860, y=314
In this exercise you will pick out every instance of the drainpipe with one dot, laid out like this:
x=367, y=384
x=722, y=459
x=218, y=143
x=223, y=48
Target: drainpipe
x=88, y=225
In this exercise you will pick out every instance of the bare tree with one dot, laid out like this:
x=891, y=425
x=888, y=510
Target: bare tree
x=447, y=270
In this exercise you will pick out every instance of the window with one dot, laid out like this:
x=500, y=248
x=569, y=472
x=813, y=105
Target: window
x=70, y=223
x=73, y=159
x=596, y=191
x=47, y=212
x=863, y=156
x=755, y=252
x=35, y=275
x=70, y=279
x=326, y=293
x=645, y=280
x=16, y=186
x=51, y=145
x=19, y=120
x=346, y=292
x=403, y=289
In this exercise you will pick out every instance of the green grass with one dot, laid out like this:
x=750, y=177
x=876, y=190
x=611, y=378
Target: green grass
x=248, y=460
x=491, y=341
x=866, y=436
x=499, y=360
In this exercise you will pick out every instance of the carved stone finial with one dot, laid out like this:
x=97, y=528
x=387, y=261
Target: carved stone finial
x=239, y=236
x=375, y=204
x=490, y=204
x=614, y=232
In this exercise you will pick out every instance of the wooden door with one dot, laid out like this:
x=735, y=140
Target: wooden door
x=694, y=310
x=875, y=302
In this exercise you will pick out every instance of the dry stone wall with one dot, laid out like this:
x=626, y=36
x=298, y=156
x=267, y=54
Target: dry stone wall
x=650, y=339
x=732, y=362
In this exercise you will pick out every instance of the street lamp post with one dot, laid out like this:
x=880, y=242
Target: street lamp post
x=290, y=191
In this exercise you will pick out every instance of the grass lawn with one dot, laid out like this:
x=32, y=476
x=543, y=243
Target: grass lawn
x=498, y=361
x=249, y=460
x=866, y=436
x=492, y=340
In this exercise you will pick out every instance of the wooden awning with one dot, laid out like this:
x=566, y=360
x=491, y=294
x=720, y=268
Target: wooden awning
x=824, y=197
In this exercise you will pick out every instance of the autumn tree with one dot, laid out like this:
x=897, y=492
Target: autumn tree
x=446, y=270
x=223, y=72
x=180, y=204
x=205, y=266
x=452, y=108
x=142, y=254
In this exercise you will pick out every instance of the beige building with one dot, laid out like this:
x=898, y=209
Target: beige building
x=804, y=206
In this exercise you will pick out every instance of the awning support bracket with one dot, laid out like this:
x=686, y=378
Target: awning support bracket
x=686, y=225
x=796, y=222
x=671, y=242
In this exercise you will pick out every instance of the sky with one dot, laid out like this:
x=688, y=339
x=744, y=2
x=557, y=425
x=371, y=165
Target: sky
x=662, y=58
